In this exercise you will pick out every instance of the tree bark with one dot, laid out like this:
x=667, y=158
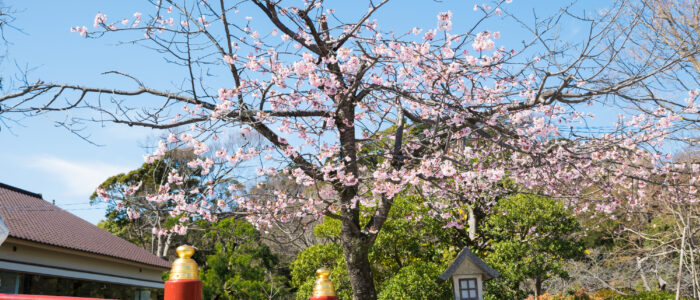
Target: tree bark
x=356, y=246
x=159, y=245
x=166, y=247
x=538, y=287
x=472, y=224
x=641, y=273
x=353, y=240
x=680, y=266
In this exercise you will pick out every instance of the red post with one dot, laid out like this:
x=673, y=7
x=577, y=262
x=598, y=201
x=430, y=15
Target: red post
x=184, y=283
x=183, y=290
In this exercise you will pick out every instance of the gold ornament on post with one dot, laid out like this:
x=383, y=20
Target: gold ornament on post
x=323, y=286
x=184, y=268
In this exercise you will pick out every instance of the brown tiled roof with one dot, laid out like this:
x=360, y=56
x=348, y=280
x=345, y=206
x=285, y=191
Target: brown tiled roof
x=31, y=218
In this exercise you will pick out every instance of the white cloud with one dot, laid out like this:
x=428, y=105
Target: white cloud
x=79, y=177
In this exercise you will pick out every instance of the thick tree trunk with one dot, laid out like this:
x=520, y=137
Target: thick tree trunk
x=354, y=242
x=538, y=287
x=356, y=250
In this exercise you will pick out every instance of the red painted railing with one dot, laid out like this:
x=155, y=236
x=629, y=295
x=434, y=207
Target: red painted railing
x=37, y=297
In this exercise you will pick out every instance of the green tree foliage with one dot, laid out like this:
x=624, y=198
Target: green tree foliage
x=241, y=267
x=409, y=254
x=530, y=237
x=417, y=280
x=303, y=269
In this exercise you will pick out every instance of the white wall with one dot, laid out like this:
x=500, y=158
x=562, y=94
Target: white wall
x=28, y=257
x=467, y=270
x=479, y=285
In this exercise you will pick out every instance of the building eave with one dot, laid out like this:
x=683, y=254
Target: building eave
x=84, y=253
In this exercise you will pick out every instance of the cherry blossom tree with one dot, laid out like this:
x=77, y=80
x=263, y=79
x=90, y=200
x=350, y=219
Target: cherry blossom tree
x=358, y=113
x=130, y=199
x=669, y=29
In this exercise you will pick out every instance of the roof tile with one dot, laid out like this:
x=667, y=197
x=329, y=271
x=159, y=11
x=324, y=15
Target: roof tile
x=31, y=218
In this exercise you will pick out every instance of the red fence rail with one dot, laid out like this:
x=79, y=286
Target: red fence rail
x=37, y=297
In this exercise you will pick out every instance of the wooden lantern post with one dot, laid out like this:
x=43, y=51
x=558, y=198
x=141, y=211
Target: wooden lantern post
x=184, y=283
x=323, y=287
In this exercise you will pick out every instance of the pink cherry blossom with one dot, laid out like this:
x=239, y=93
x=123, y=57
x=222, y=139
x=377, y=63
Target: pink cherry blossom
x=100, y=19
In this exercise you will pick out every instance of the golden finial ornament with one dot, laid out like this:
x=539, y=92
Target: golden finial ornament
x=323, y=286
x=184, y=268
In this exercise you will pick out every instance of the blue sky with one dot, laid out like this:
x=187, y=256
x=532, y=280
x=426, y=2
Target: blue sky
x=37, y=156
